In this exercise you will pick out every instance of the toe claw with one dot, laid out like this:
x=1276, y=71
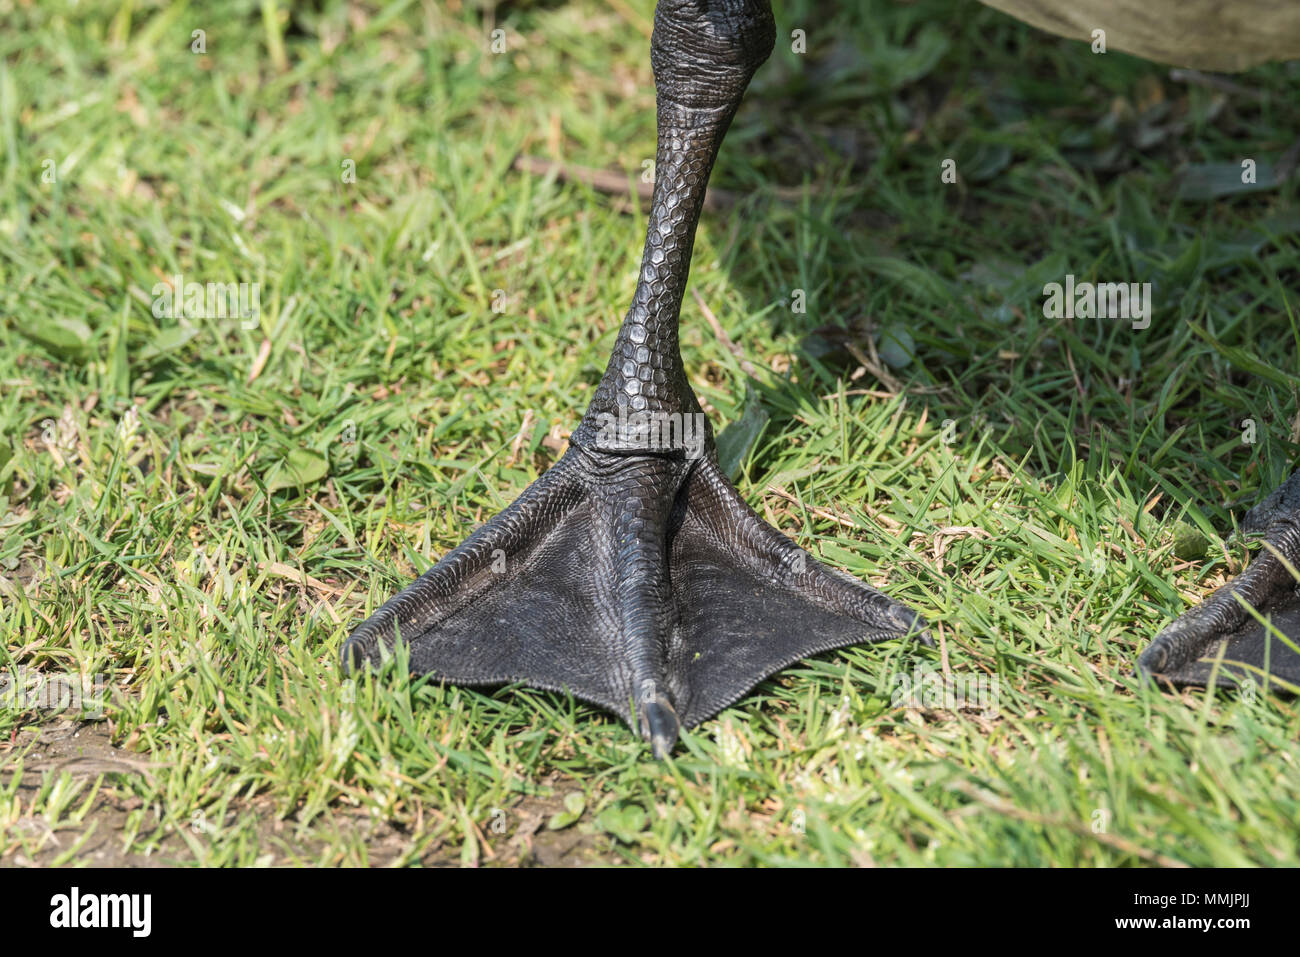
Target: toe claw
x=660, y=725
x=910, y=623
x=1153, y=660
x=353, y=657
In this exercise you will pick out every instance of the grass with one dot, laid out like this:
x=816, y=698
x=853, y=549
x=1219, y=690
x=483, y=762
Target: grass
x=200, y=511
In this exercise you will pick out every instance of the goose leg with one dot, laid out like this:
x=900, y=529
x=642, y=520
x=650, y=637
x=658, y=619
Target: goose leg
x=1220, y=638
x=632, y=574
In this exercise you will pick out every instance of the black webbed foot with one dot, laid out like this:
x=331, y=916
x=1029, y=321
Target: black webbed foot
x=632, y=574
x=641, y=583
x=1228, y=638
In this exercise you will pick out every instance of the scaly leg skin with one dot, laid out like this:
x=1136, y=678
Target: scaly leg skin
x=632, y=574
x=1220, y=639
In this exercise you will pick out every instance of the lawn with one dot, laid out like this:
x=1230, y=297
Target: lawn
x=196, y=508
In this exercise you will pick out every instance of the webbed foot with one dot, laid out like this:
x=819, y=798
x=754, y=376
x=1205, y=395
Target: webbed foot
x=1249, y=628
x=641, y=583
x=632, y=574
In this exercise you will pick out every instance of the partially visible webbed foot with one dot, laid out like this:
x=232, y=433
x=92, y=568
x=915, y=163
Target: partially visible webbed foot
x=1250, y=628
x=641, y=583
